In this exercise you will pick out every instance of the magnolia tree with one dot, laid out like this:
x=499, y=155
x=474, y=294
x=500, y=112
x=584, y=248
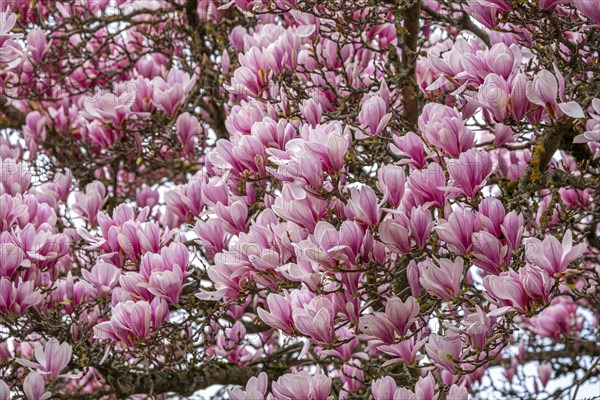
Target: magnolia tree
x=299, y=199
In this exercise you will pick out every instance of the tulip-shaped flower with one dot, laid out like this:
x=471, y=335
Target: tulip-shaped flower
x=494, y=96
x=34, y=387
x=11, y=258
x=373, y=115
x=17, y=296
x=544, y=371
x=444, y=128
x=396, y=235
x=312, y=112
x=302, y=385
x=428, y=184
x=279, y=315
x=363, y=206
x=132, y=321
x=316, y=319
x=188, y=129
x=457, y=231
x=543, y=91
x=469, y=172
x=402, y=314
x=391, y=182
x=36, y=44
x=170, y=94
x=90, y=201
x=551, y=255
x=521, y=291
x=14, y=178
x=445, y=351
x=256, y=389
x=421, y=224
x=51, y=359
x=490, y=254
x=103, y=276
x=589, y=8
x=443, y=281
x=5, y=390
x=411, y=146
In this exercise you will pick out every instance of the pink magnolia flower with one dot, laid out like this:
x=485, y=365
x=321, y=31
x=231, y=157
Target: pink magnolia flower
x=279, y=315
x=17, y=296
x=363, y=206
x=543, y=91
x=297, y=205
x=391, y=182
x=405, y=351
x=457, y=230
x=425, y=388
x=103, y=276
x=34, y=387
x=469, y=172
x=5, y=391
x=421, y=224
x=301, y=385
x=188, y=131
x=37, y=44
x=487, y=12
x=11, y=258
x=494, y=96
x=402, y=313
x=592, y=134
x=443, y=281
x=491, y=215
x=14, y=178
x=383, y=388
x=330, y=143
x=186, y=201
x=444, y=128
x=519, y=291
x=544, y=371
x=312, y=112
x=589, y=8
x=396, y=234
x=373, y=115
x=428, y=184
x=256, y=389
x=551, y=255
x=316, y=319
x=378, y=327
x=110, y=107
x=445, y=351
x=10, y=50
x=170, y=94
x=512, y=228
x=51, y=359
x=489, y=253
x=411, y=146
x=333, y=246
x=132, y=321
x=90, y=201
x=146, y=197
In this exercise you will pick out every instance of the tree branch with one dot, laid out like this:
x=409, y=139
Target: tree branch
x=545, y=147
x=184, y=383
x=12, y=118
x=410, y=99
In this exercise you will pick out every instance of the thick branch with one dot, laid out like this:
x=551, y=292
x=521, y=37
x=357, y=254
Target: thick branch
x=410, y=99
x=10, y=117
x=544, y=149
x=184, y=383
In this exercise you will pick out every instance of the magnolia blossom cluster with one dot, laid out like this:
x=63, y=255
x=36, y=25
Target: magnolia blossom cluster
x=258, y=208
